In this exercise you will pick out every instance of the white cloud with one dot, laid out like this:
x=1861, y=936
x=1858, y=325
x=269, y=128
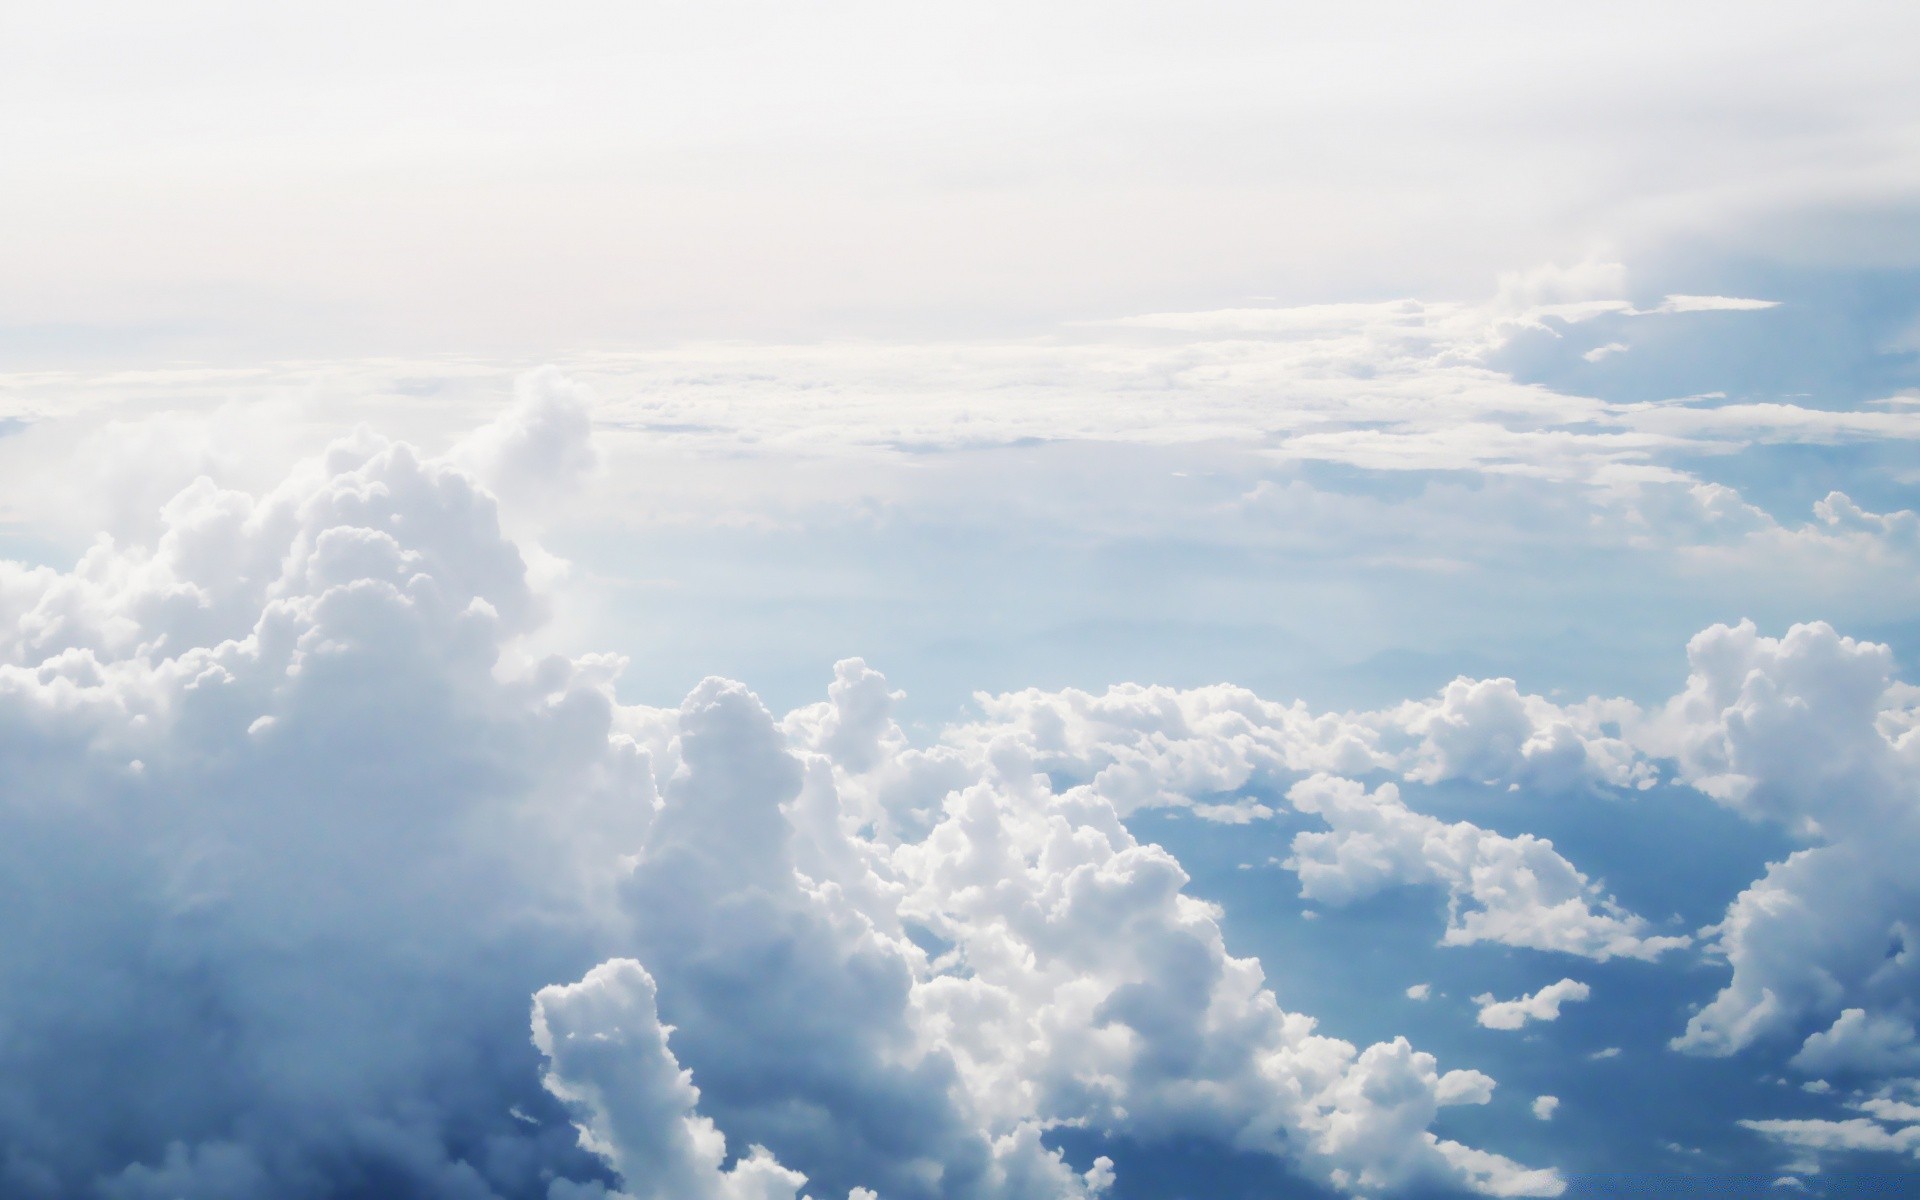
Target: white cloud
x=542, y=443
x=1488, y=731
x=1545, y=1106
x=1543, y=1005
x=610, y=1063
x=1811, y=731
x=1420, y=991
x=1513, y=890
x=1395, y=386
x=1879, y=1043
x=1206, y=748
x=367, y=825
x=1857, y=1133
x=717, y=889
x=353, y=847
x=345, y=654
x=1157, y=746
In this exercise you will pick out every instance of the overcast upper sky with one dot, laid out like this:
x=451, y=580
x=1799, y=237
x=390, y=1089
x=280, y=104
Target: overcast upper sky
x=231, y=180
x=736, y=602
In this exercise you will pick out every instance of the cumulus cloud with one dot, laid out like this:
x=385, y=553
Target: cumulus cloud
x=306, y=823
x=1545, y=1106
x=1488, y=731
x=1857, y=1041
x=299, y=843
x=634, y=1105
x=304, y=830
x=1076, y=966
x=1074, y=981
x=1517, y=891
x=1543, y=1005
x=543, y=441
x=826, y=1005
x=1811, y=731
x=1143, y=746
x=1228, y=755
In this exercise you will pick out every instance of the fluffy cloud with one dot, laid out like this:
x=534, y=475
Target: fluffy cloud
x=1142, y=746
x=1097, y=991
x=1227, y=754
x=297, y=828
x=1070, y=979
x=299, y=822
x=1812, y=731
x=1487, y=730
x=609, y=1062
x=1859, y=1042
x=794, y=1006
x=1514, y=890
x=542, y=442
x=1543, y=1005
x=290, y=841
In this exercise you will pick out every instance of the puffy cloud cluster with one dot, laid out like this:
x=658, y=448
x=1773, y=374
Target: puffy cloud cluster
x=1141, y=746
x=1026, y=963
x=1077, y=981
x=542, y=442
x=287, y=845
x=1860, y=1042
x=297, y=828
x=296, y=833
x=1230, y=755
x=611, y=1064
x=1812, y=731
x=1488, y=731
x=1543, y=1005
x=1518, y=891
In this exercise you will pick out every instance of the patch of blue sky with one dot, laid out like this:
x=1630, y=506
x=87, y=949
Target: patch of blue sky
x=1432, y=576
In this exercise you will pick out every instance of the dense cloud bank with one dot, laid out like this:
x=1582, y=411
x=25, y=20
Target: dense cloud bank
x=319, y=885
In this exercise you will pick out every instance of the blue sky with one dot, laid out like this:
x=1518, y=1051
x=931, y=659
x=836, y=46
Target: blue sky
x=1153, y=602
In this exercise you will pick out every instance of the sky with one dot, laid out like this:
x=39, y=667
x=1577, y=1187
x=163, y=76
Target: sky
x=895, y=602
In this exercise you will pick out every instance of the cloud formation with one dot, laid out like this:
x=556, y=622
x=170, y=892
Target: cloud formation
x=635, y=1107
x=301, y=820
x=1543, y=1005
x=302, y=830
x=1813, y=732
x=1231, y=756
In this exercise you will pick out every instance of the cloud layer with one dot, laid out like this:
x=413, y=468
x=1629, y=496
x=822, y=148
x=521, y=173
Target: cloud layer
x=301, y=828
x=299, y=834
